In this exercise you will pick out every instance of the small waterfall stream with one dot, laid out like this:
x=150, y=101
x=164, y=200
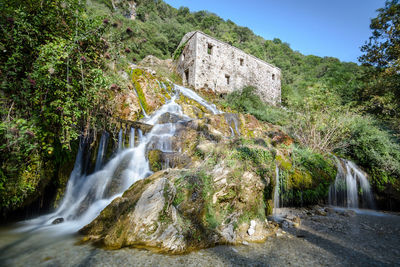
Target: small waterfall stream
x=276, y=191
x=87, y=195
x=191, y=94
x=132, y=138
x=101, y=151
x=120, y=142
x=351, y=187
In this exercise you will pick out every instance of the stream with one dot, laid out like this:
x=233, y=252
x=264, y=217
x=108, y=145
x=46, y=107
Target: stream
x=341, y=237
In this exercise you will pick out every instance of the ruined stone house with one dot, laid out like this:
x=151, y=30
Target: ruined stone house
x=206, y=62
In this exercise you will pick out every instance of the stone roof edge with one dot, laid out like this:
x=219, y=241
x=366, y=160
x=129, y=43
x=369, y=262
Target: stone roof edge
x=269, y=64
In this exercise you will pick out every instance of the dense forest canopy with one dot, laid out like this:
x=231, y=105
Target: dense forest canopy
x=55, y=74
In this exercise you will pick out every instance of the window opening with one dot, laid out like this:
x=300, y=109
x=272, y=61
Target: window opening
x=227, y=77
x=209, y=49
x=241, y=61
x=273, y=76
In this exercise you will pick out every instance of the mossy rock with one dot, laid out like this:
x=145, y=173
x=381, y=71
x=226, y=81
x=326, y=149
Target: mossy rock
x=177, y=211
x=155, y=160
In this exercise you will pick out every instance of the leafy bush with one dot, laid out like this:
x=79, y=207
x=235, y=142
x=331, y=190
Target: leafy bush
x=51, y=90
x=248, y=102
x=376, y=150
x=306, y=181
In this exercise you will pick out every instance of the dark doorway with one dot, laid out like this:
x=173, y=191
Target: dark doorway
x=227, y=77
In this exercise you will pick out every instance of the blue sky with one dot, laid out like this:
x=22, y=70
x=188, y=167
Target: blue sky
x=336, y=28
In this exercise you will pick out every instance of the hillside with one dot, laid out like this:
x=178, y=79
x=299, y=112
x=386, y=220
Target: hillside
x=64, y=69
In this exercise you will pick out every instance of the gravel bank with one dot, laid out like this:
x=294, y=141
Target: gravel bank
x=326, y=237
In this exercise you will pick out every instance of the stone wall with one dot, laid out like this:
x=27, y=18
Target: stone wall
x=206, y=62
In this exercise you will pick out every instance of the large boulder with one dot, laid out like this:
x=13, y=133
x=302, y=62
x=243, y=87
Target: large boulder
x=179, y=210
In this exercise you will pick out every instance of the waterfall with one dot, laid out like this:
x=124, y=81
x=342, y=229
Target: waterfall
x=132, y=138
x=101, y=150
x=120, y=140
x=232, y=119
x=140, y=135
x=87, y=195
x=351, y=187
x=276, y=191
x=191, y=94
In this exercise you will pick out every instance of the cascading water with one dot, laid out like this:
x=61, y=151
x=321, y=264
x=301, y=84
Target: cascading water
x=87, y=195
x=191, y=94
x=132, y=138
x=120, y=140
x=276, y=191
x=350, y=183
x=232, y=121
x=101, y=151
x=140, y=135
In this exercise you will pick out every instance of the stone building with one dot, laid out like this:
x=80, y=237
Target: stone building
x=206, y=62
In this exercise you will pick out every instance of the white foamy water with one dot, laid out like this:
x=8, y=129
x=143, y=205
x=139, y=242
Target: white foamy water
x=351, y=187
x=276, y=191
x=191, y=94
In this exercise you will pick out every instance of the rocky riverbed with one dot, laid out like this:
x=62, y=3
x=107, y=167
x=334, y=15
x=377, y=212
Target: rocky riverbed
x=324, y=237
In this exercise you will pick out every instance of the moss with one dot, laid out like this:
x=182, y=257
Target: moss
x=192, y=107
x=119, y=231
x=307, y=178
x=210, y=216
x=62, y=180
x=155, y=158
x=231, y=194
x=269, y=207
x=207, y=192
x=135, y=75
x=283, y=163
x=164, y=216
x=180, y=192
x=300, y=180
x=178, y=52
x=179, y=198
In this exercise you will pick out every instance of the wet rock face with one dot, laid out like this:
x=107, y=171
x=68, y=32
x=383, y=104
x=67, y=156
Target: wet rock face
x=154, y=157
x=58, y=220
x=170, y=118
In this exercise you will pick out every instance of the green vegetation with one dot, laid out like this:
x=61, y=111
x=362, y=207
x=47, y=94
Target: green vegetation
x=135, y=75
x=52, y=85
x=60, y=61
x=381, y=94
x=308, y=181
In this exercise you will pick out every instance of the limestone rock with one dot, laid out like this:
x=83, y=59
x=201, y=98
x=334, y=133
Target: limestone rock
x=178, y=210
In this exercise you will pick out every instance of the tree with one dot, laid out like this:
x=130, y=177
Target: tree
x=383, y=48
x=381, y=95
